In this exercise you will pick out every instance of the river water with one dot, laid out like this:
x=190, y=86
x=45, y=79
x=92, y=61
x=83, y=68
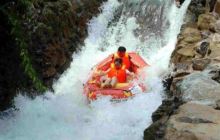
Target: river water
x=149, y=28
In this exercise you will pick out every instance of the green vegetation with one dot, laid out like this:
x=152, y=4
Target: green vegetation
x=15, y=17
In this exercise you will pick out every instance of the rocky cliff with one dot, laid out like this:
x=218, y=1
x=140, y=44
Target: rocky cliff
x=37, y=41
x=191, y=110
x=56, y=30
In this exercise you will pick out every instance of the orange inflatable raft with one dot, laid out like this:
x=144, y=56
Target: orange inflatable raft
x=122, y=90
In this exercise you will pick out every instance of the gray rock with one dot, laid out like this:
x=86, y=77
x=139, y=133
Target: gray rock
x=203, y=48
x=217, y=26
x=194, y=122
x=201, y=88
x=200, y=64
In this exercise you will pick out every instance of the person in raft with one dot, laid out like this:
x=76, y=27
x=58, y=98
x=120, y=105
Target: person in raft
x=117, y=73
x=126, y=59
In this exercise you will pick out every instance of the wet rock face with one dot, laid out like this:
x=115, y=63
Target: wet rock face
x=56, y=30
x=198, y=45
x=194, y=81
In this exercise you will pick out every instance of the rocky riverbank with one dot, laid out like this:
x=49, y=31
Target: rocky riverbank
x=38, y=38
x=191, y=110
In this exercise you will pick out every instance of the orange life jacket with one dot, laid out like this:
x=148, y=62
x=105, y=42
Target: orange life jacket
x=119, y=73
x=125, y=59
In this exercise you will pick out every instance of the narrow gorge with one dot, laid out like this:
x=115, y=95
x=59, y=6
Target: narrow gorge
x=48, y=50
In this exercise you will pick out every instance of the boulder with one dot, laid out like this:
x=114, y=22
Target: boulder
x=206, y=21
x=216, y=76
x=200, y=87
x=215, y=46
x=217, y=103
x=183, y=55
x=191, y=35
x=194, y=122
x=205, y=34
x=217, y=26
x=185, y=49
x=182, y=69
x=200, y=64
x=202, y=49
x=215, y=71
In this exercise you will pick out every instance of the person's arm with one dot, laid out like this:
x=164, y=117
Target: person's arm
x=100, y=72
x=104, y=72
x=130, y=75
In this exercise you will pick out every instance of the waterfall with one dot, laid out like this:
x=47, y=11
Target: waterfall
x=149, y=27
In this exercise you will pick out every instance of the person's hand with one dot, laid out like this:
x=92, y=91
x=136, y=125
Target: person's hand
x=130, y=76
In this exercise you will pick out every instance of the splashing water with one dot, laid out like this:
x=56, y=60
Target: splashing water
x=64, y=114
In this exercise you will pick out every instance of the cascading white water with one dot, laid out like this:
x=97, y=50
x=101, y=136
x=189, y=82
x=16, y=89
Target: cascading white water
x=64, y=114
